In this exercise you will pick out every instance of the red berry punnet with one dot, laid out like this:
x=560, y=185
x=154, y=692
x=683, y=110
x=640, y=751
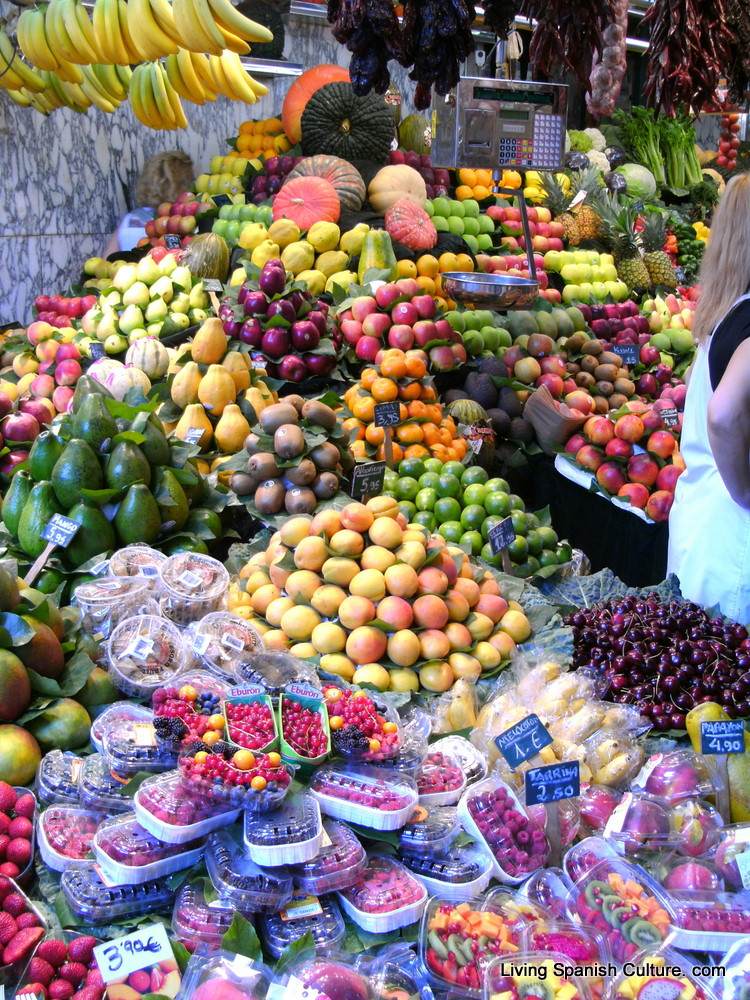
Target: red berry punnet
x=358, y=730
x=250, y=724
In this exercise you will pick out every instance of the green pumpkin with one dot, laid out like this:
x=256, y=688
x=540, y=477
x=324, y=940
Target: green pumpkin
x=337, y=122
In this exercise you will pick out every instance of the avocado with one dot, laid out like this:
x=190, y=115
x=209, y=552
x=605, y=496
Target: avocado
x=84, y=387
x=76, y=469
x=93, y=422
x=507, y=400
x=41, y=504
x=45, y=451
x=482, y=389
x=127, y=465
x=16, y=499
x=170, y=499
x=95, y=536
x=156, y=446
x=493, y=366
x=192, y=483
x=138, y=518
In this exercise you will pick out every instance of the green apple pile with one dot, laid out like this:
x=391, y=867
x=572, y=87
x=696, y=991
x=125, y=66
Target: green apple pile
x=233, y=218
x=487, y=333
x=588, y=275
x=463, y=218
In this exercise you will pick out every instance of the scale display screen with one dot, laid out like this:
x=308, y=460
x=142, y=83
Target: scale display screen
x=512, y=115
x=514, y=96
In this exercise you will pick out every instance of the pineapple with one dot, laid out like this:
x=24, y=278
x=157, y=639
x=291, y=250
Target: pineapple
x=588, y=217
x=630, y=265
x=658, y=264
x=558, y=202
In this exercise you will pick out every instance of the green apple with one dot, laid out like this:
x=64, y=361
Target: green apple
x=264, y=214
x=473, y=342
x=247, y=212
x=571, y=293
x=666, y=359
x=428, y=207
x=458, y=208
x=609, y=272
x=471, y=208
x=162, y=289
x=221, y=226
x=485, y=317
x=471, y=226
x=681, y=340
x=486, y=224
x=136, y=295
x=571, y=273
x=440, y=223
x=484, y=241
x=506, y=340
x=552, y=260
x=125, y=277
x=216, y=164
x=491, y=338
x=582, y=256
x=457, y=320
x=91, y=265
x=660, y=341
x=115, y=344
x=130, y=318
x=233, y=230
x=441, y=207
x=586, y=291
x=606, y=258
x=456, y=224
x=168, y=264
x=147, y=270
x=156, y=311
x=622, y=291
x=238, y=165
x=613, y=287
x=472, y=321
x=225, y=212
x=471, y=241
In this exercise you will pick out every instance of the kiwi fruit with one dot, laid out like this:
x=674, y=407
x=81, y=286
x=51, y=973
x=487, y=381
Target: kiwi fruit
x=616, y=400
x=269, y=497
x=604, y=388
x=535, y=988
x=277, y=414
x=288, y=441
x=610, y=358
x=243, y=484
x=589, y=364
x=585, y=380
x=296, y=401
x=263, y=466
x=605, y=373
x=325, y=486
x=592, y=347
x=601, y=404
x=325, y=456
x=572, y=367
x=319, y=414
x=624, y=386
x=252, y=444
x=574, y=344
x=300, y=500
x=302, y=474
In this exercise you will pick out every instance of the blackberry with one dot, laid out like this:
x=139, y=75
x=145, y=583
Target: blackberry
x=350, y=738
x=170, y=729
x=224, y=748
x=191, y=747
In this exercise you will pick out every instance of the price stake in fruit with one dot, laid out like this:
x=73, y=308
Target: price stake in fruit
x=193, y=435
x=172, y=241
x=669, y=417
x=145, y=949
x=212, y=285
x=719, y=739
x=553, y=783
x=500, y=537
x=523, y=741
x=221, y=199
x=388, y=415
x=96, y=349
x=367, y=480
x=629, y=353
x=57, y=532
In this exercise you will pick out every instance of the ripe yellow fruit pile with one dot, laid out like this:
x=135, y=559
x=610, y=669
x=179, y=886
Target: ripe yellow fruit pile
x=378, y=600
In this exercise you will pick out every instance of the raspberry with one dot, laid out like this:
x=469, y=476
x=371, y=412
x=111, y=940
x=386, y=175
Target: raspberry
x=81, y=949
x=19, y=852
x=21, y=827
x=41, y=971
x=74, y=972
x=8, y=928
x=14, y=904
x=25, y=806
x=8, y=796
x=27, y=920
x=53, y=952
x=61, y=989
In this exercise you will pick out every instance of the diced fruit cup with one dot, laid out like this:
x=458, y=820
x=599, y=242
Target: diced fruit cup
x=579, y=946
x=386, y=897
x=144, y=653
x=532, y=975
x=658, y=986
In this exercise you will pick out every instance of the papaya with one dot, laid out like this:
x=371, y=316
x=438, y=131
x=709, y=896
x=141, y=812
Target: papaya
x=257, y=400
x=231, y=430
x=195, y=416
x=217, y=390
x=210, y=342
x=377, y=252
x=184, y=390
x=236, y=364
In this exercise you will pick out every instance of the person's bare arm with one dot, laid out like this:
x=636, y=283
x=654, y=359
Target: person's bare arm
x=729, y=426
x=111, y=246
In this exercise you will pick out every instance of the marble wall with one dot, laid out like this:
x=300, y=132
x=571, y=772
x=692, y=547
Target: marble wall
x=64, y=175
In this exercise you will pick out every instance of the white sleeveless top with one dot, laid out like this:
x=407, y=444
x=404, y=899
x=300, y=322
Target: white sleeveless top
x=709, y=534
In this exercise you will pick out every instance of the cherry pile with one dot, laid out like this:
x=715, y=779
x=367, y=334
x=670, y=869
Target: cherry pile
x=664, y=658
x=250, y=723
x=358, y=730
x=303, y=729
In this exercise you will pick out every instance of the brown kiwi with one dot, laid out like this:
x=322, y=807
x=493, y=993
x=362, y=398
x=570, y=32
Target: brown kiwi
x=347, y=461
x=610, y=358
x=243, y=484
x=589, y=364
x=604, y=388
x=300, y=500
x=592, y=347
x=585, y=380
x=605, y=373
x=572, y=367
x=325, y=456
x=625, y=386
x=269, y=497
x=325, y=486
x=616, y=400
x=252, y=444
x=277, y=414
x=319, y=413
x=296, y=401
x=263, y=466
x=574, y=344
x=288, y=441
x=601, y=404
x=302, y=474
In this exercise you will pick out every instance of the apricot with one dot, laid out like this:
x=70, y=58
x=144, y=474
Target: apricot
x=302, y=582
x=416, y=533
x=336, y=663
x=432, y=581
x=295, y=529
x=368, y=583
x=467, y=571
x=503, y=644
x=357, y=517
x=347, y=543
x=489, y=586
x=377, y=557
x=396, y=612
x=436, y=675
x=339, y=570
x=458, y=635
x=366, y=644
x=276, y=609
x=514, y=606
x=356, y=611
x=412, y=553
x=404, y=680
x=372, y=673
x=262, y=597
x=434, y=644
x=404, y=648
x=458, y=606
x=327, y=600
x=516, y=624
x=328, y=638
x=430, y=611
x=303, y=650
x=275, y=637
x=487, y=655
x=401, y=520
x=468, y=588
x=298, y=622
x=263, y=627
x=446, y=561
x=401, y=580
x=480, y=627
x=384, y=531
x=383, y=507
x=278, y=575
x=492, y=606
x=326, y=521
x=258, y=578
x=464, y=665
x=310, y=553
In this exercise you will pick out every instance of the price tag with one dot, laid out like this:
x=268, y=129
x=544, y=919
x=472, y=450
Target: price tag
x=743, y=864
x=140, y=649
x=148, y=570
x=325, y=840
x=388, y=414
x=60, y=530
x=300, y=906
x=221, y=199
x=140, y=950
x=723, y=737
x=630, y=354
x=110, y=585
x=212, y=285
x=96, y=349
x=190, y=580
x=100, y=567
x=680, y=274
x=367, y=480
x=249, y=691
x=201, y=643
x=669, y=416
x=476, y=437
x=259, y=364
x=523, y=741
x=172, y=241
x=501, y=536
x=144, y=735
x=75, y=769
x=232, y=642
x=552, y=783
x=638, y=206
x=193, y=435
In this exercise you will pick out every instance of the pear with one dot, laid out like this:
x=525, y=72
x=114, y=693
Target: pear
x=136, y=295
x=162, y=289
x=130, y=318
x=107, y=325
x=197, y=316
x=154, y=329
x=198, y=298
x=183, y=277
x=125, y=277
x=147, y=270
x=180, y=303
x=156, y=311
x=175, y=322
x=115, y=344
x=90, y=321
x=111, y=299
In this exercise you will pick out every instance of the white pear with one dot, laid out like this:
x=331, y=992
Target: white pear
x=181, y=276
x=131, y=318
x=107, y=325
x=111, y=299
x=163, y=289
x=198, y=298
x=197, y=315
x=147, y=270
x=136, y=295
x=125, y=277
x=90, y=320
x=180, y=303
x=156, y=311
x=115, y=344
x=168, y=264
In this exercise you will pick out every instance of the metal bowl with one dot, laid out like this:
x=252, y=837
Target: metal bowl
x=501, y=290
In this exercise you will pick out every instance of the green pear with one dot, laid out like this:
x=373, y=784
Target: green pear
x=111, y=299
x=167, y=264
x=115, y=344
x=107, y=325
x=198, y=297
x=91, y=265
x=197, y=315
x=125, y=277
x=180, y=303
x=175, y=322
x=156, y=310
x=147, y=270
x=183, y=277
x=136, y=295
x=154, y=329
x=162, y=289
x=130, y=318
x=90, y=320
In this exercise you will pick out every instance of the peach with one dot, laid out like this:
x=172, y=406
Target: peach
x=310, y=553
x=466, y=571
x=386, y=532
x=516, y=624
x=487, y=655
x=275, y=551
x=377, y=557
x=303, y=650
x=328, y=638
x=366, y=644
x=436, y=675
x=432, y=581
x=300, y=621
x=340, y=571
x=336, y=663
x=368, y=583
x=356, y=611
x=24, y=384
x=258, y=578
x=25, y=364
x=503, y=644
x=294, y=530
x=417, y=533
x=276, y=638
x=446, y=563
x=412, y=553
x=47, y=350
x=458, y=606
x=434, y=644
x=303, y=582
x=396, y=612
x=277, y=609
x=401, y=580
x=469, y=589
x=401, y=521
x=327, y=522
x=430, y=611
x=347, y=543
x=261, y=626
x=383, y=507
x=357, y=517
x=262, y=597
x=480, y=627
x=458, y=635
x=464, y=665
x=372, y=673
x=493, y=607
x=327, y=600
x=404, y=648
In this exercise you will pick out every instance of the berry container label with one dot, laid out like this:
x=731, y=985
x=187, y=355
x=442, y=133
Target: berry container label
x=723, y=737
x=140, y=649
x=201, y=643
x=743, y=865
x=142, y=949
x=523, y=741
x=190, y=580
x=144, y=734
x=100, y=567
x=301, y=906
x=552, y=783
x=249, y=691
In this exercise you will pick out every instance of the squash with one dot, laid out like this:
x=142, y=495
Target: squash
x=715, y=176
x=307, y=200
x=377, y=251
x=346, y=179
x=150, y=355
x=302, y=90
x=414, y=134
x=208, y=256
x=410, y=225
x=122, y=380
x=393, y=183
x=339, y=123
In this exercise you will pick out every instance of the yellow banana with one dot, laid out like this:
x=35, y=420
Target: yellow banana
x=196, y=25
x=160, y=96
x=93, y=91
x=56, y=30
x=199, y=93
x=162, y=11
x=172, y=68
x=232, y=20
x=70, y=72
x=221, y=83
x=20, y=97
x=87, y=29
x=28, y=77
x=240, y=80
x=84, y=53
x=149, y=39
x=44, y=103
x=134, y=95
x=203, y=70
x=100, y=32
x=233, y=43
x=115, y=40
x=75, y=92
x=109, y=82
x=124, y=73
x=127, y=37
x=178, y=114
x=143, y=102
x=50, y=95
x=33, y=40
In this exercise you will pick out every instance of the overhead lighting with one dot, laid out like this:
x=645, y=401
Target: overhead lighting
x=271, y=67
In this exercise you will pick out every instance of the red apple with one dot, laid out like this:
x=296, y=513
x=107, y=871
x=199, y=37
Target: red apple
x=62, y=398
x=292, y=368
x=425, y=306
x=352, y=330
x=363, y=306
x=442, y=358
x=580, y=400
x=401, y=337
x=20, y=427
x=555, y=385
x=68, y=351
x=459, y=353
x=553, y=365
x=367, y=348
x=409, y=287
x=376, y=325
x=386, y=295
x=43, y=385
x=424, y=331
x=319, y=364
x=67, y=372
x=405, y=312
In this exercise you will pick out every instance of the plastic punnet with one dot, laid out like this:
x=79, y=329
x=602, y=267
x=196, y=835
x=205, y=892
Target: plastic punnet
x=370, y=796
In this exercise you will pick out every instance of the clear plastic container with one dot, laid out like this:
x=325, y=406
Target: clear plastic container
x=133, y=747
x=429, y=832
x=57, y=777
x=259, y=787
x=621, y=901
x=106, y=602
x=320, y=915
x=674, y=982
x=676, y=873
x=710, y=921
x=194, y=697
x=96, y=899
x=408, y=760
x=472, y=761
x=221, y=641
x=369, y=734
x=250, y=719
x=274, y=669
x=386, y=897
x=164, y=807
x=579, y=946
x=515, y=905
x=582, y=857
x=291, y=835
x=10, y=974
x=65, y=835
x=548, y=888
x=240, y=881
x=100, y=789
x=641, y=822
x=338, y=865
x=193, y=585
x=144, y=653
x=303, y=725
x=461, y=874
x=697, y=827
x=518, y=846
x=129, y=855
x=321, y=972
x=137, y=560
x=533, y=974
x=734, y=984
x=114, y=717
x=677, y=775
x=732, y=855
x=196, y=921
x=369, y=796
x=441, y=782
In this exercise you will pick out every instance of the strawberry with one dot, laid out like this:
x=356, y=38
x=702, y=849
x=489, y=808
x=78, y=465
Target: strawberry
x=31, y=990
x=4, y=841
x=9, y=869
x=27, y=920
x=61, y=989
x=21, y=944
x=81, y=949
x=74, y=972
x=4, y=822
x=41, y=971
x=94, y=978
x=25, y=806
x=90, y=993
x=21, y=827
x=19, y=852
x=6, y=888
x=14, y=904
x=8, y=928
x=8, y=796
x=53, y=952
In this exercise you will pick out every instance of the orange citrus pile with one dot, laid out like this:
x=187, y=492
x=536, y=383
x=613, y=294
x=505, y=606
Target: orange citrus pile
x=262, y=139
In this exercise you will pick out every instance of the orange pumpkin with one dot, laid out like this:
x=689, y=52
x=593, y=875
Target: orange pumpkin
x=307, y=200
x=302, y=90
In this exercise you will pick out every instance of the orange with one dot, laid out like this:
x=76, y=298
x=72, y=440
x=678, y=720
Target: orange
x=416, y=410
x=246, y=128
x=463, y=191
x=416, y=451
x=374, y=435
x=409, y=433
x=468, y=177
x=429, y=433
x=483, y=177
x=351, y=423
x=402, y=414
x=384, y=390
x=426, y=284
x=393, y=367
x=481, y=191
x=406, y=269
x=357, y=448
x=434, y=410
x=428, y=265
x=461, y=447
x=398, y=452
x=452, y=454
x=244, y=142
x=444, y=436
x=368, y=376
x=465, y=263
x=415, y=367
x=428, y=392
x=438, y=282
x=274, y=124
x=410, y=391
x=364, y=408
x=448, y=262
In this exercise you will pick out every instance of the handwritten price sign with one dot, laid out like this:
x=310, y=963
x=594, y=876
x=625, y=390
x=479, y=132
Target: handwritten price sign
x=723, y=737
x=523, y=741
x=553, y=783
x=139, y=950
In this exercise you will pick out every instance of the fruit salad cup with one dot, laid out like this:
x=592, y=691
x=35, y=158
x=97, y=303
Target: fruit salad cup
x=239, y=778
x=96, y=899
x=144, y=653
x=580, y=947
x=320, y=916
x=116, y=717
x=241, y=882
x=290, y=835
x=663, y=978
x=386, y=897
x=129, y=855
x=697, y=826
x=137, y=560
x=372, y=797
x=106, y=602
x=678, y=775
x=166, y=809
x=66, y=834
x=641, y=822
x=192, y=586
x=532, y=974
x=338, y=865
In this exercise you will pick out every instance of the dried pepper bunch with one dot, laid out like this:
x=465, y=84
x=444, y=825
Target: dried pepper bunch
x=371, y=31
x=437, y=36
x=568, y=35
x=738, y=72
x=499, y=16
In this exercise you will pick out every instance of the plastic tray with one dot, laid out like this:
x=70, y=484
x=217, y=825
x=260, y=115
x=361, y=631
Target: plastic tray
x=509, y=977
x=114, y=717
x=196, y=921
x=429, y=832
x=106, y=602
x=548, y=888
x=11, y=975
x=193, y=585
x=134, y=747
x=486, y=791
x=393, y=796
x=243, y=796
x=144, y=653
x=373, y=902
x=338, y=865
x=137, y=560
x=289, y=836
x=236, y=729
x=459, y=875
x=57, y=777
x=164, y=808
x=309, y=701
x=514, y=906
x=75, y=828
x=729, y=856
x=100, y=790
x=320, y=915
x=92, y=896
x=443, y=772
x=221, y=641
x=678, y=873
x=362, y=750
x=677, y=775
x=274, y=669
x=472, y=761
x=582, y=857
x=239, y=880
x=722, y=920
x=159, y=859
